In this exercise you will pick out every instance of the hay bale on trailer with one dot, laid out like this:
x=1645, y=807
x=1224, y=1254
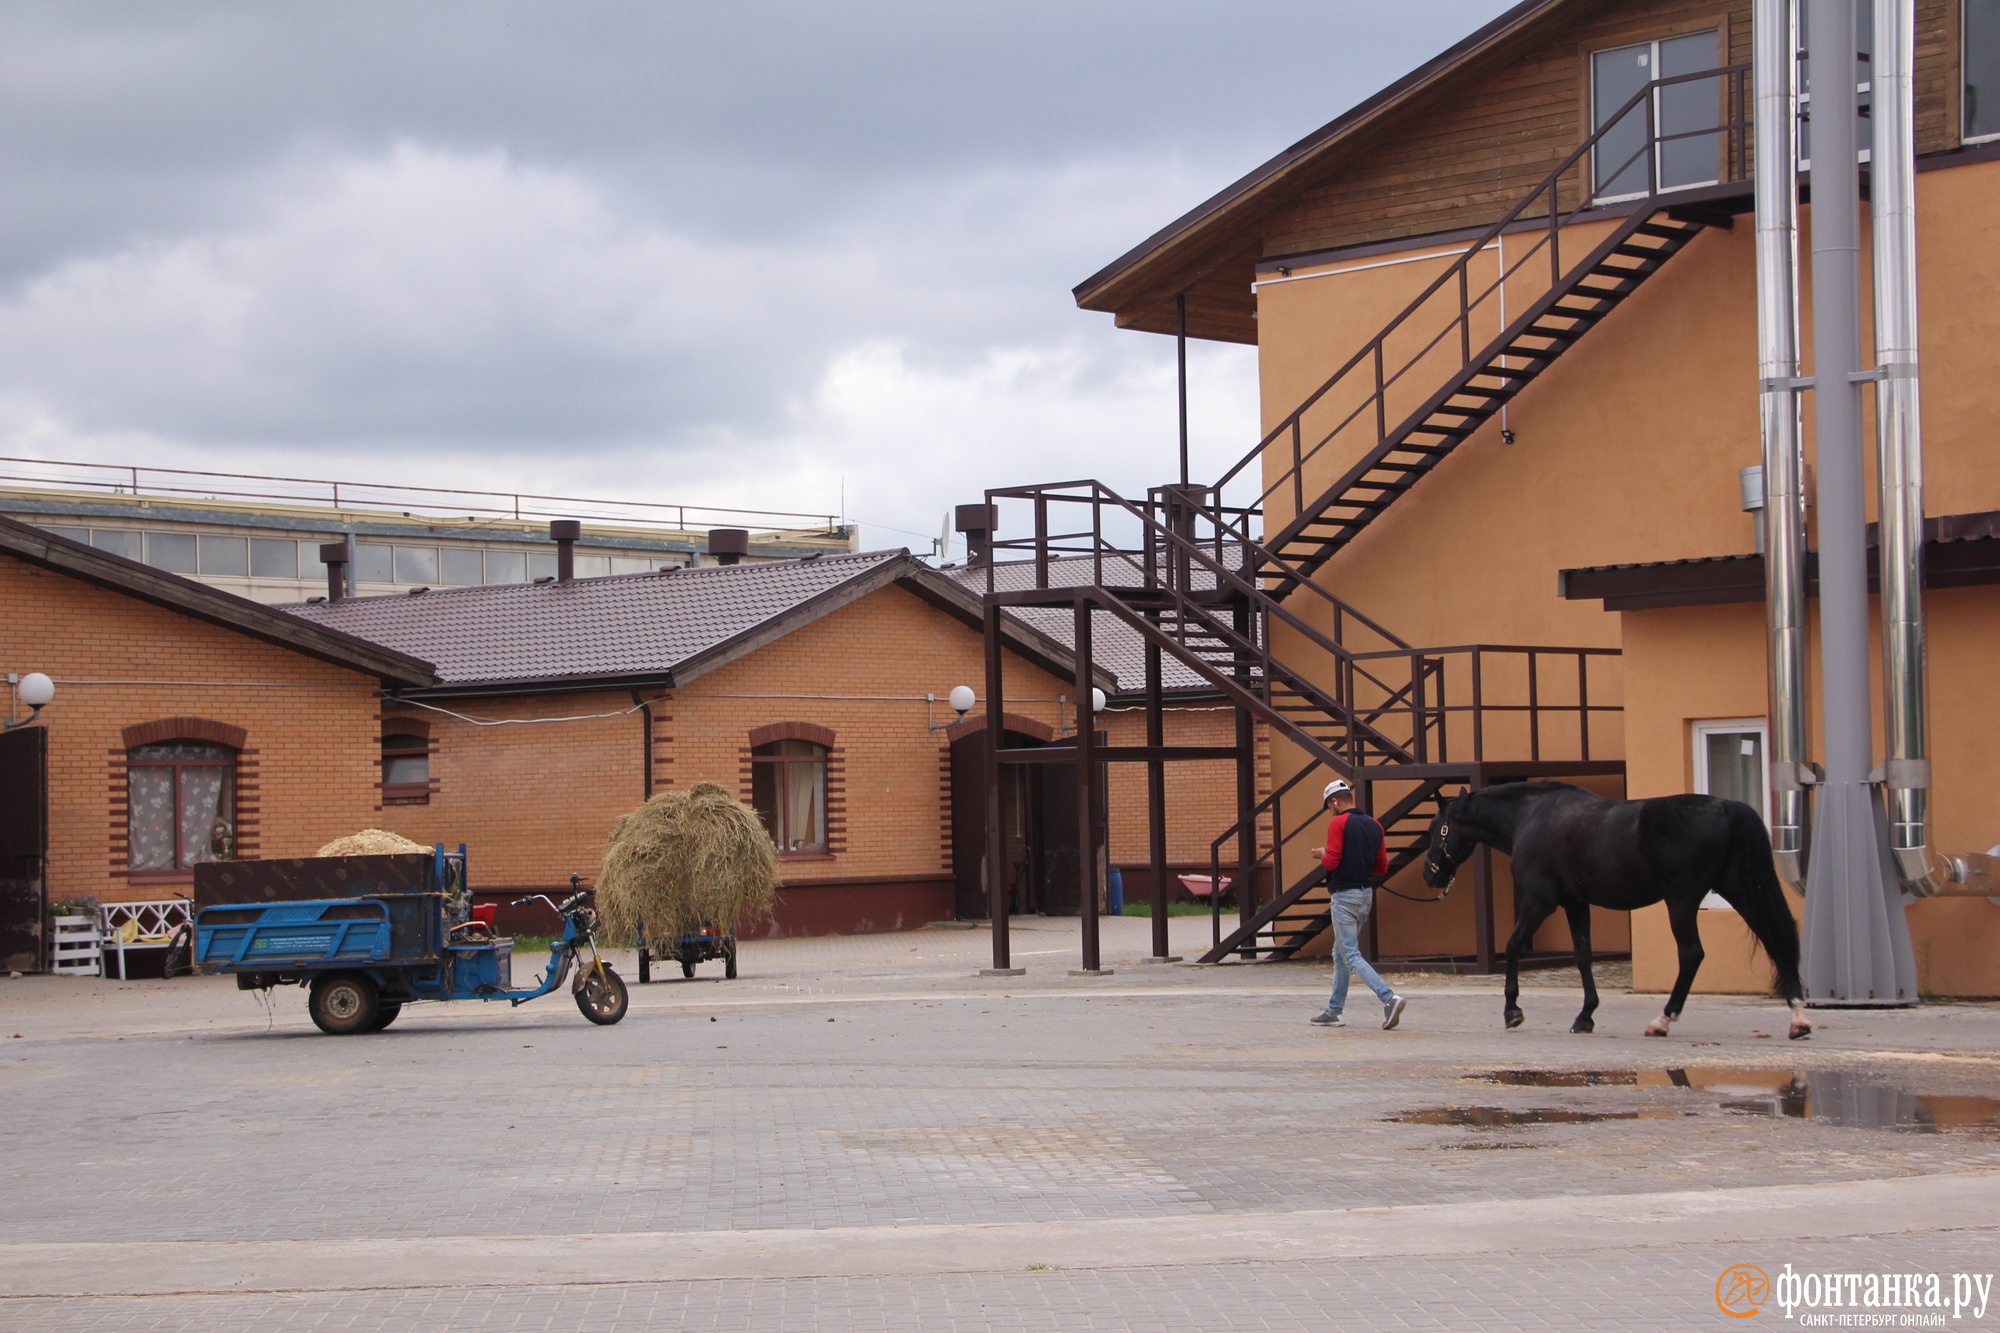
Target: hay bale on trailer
x=371, y=842
x=684, y=860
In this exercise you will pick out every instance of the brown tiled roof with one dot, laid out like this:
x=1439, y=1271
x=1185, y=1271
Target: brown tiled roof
x=666, y=627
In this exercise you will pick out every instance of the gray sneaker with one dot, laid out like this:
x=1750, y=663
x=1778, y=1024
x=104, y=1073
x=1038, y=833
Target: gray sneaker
x=1392, y=1011
x=1329, y=1019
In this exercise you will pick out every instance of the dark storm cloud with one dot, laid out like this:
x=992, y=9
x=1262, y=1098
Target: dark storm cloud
x=493, y=227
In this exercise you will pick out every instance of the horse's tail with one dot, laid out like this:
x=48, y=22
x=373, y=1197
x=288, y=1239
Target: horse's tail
x=1750, y=885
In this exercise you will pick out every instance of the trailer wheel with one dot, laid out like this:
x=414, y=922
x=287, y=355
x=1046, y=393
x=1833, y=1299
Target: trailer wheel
x=729, y=966
x=687, y=969
x=600, y=995
x=343, y=1003
x=645, y=967
x=385, y=1014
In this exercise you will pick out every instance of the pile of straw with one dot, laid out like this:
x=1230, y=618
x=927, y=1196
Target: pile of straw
x=683, y=860
x=371, y=842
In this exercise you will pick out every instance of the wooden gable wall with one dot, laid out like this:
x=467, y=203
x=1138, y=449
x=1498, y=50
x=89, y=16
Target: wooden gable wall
x=1486, y=139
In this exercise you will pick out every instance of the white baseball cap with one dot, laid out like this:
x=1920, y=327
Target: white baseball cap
x=1333, y=789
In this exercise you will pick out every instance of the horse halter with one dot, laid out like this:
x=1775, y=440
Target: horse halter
x=1434, y=862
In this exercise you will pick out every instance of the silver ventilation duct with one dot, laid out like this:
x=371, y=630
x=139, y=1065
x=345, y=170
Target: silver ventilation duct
x=1905, y=770
x=1784, y=500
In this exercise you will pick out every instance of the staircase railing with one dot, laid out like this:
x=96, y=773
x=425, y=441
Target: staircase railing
x=1540, y=217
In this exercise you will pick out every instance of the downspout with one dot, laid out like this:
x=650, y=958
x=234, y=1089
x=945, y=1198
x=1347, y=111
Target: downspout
x=1777, y=169
x=1905, y=771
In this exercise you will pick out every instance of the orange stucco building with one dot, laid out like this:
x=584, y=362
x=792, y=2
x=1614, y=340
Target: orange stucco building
x=1509, y=393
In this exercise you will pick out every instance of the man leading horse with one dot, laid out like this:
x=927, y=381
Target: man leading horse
x=1355, y=858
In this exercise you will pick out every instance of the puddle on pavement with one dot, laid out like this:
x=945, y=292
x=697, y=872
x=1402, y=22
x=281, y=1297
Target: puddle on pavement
x=1844, y=1097
x=1558, y=1078
x=1493, y=1117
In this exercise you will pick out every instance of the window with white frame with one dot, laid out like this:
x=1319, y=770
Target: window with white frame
x=1673, y=137
x=1729, y=761
x=1979, y=63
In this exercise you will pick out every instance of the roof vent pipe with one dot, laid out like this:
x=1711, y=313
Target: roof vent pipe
x=728, y=545
x=1775, y=44
x=977, y=523
x=1905, y=770
x=564, y=532
x=334, y=556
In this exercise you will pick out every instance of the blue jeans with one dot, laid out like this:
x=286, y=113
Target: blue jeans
x=1350, y=912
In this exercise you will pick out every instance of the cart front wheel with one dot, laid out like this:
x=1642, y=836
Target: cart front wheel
x=729, y=965
x=385, y=1014
x=344, y=1003
x=687, y=969
x=179, y=949
x=601, y=997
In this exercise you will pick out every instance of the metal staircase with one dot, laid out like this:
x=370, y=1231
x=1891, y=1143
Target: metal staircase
x=1207, y=580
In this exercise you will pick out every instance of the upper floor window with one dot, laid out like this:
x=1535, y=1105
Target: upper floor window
x=1980, y=60
x=1670, y=140
x=788, y=791
x=181, y=802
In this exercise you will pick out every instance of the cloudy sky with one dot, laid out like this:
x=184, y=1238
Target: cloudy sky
x=746, y=252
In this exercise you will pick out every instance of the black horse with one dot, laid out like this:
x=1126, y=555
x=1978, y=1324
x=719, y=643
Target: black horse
x=1576, y=850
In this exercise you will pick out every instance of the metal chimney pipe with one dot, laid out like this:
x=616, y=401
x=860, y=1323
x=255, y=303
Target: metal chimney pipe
x=1775, y=65
x=1856, y=937
x=564, y=532
x=728, y=545
x=1899, y=447
x=334, y=556
x=977, y=523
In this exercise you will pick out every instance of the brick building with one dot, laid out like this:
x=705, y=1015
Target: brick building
x=188, y=725
x=815, y=688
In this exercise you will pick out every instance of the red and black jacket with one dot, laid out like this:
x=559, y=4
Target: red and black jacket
x=1356, y=854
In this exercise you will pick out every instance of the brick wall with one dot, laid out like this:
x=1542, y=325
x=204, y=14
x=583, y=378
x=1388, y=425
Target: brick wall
x=309, y=761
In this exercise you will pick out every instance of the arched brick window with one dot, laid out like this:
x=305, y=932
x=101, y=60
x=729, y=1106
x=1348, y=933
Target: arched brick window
x=181, y=805
x=407, y=748
x=794, y=787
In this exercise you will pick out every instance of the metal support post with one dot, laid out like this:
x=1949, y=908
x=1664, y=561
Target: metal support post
x=1857, y=941
x=996, y=850
x=1086, y=791
x=1156, y=804
x=1180, y=359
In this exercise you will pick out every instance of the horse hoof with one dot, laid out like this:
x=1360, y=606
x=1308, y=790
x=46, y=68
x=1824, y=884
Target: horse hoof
x=1583, y=1025
x=1655, y=1030
x=1800, y=1030
x=1515, y=1018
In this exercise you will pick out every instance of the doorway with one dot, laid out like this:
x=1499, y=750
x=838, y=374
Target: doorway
x=1038, y=829
x=24, y=845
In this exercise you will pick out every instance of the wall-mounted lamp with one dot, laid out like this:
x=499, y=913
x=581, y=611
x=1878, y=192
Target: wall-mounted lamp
x=35, y=690
x=962, y=701
x=1097, y=700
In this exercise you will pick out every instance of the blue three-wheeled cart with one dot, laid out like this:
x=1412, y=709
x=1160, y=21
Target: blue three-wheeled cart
x=369, y=934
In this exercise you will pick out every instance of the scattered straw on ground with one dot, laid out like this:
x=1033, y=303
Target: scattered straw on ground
x=683, y=860
x=371, y=842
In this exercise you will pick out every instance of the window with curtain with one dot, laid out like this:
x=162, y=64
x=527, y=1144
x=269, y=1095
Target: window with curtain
x=181, y=798
x=788, y=791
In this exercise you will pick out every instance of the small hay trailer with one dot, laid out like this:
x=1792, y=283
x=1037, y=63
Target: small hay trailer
x=369, y=934
x=687, y=951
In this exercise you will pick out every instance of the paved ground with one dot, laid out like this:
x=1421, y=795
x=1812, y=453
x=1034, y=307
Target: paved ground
x=863, y=1133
